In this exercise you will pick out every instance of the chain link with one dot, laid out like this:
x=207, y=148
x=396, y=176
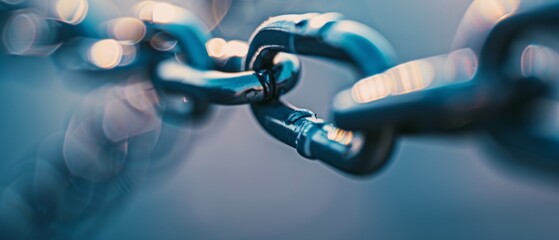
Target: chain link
x=323, y=35
x=500, y=77
x=464, y=89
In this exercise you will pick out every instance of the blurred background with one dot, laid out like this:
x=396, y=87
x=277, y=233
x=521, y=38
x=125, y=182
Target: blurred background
x=230, y=180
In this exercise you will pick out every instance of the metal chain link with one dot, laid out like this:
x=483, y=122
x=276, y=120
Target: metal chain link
x=461, y=90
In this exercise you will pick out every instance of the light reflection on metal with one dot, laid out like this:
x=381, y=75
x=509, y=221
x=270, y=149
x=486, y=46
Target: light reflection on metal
x=458, y=66
x=106, y=53
x=323, y=35
x=541, y=62
x=182, y=28
x=322, y=19
x=72, y=11
x=404, y=78
x=339, y=135
x=372, y=88
x=497, y=10
x=461, y=65
x=219, y=48
x=236, y=48
x=412, y=76
x=229, y=88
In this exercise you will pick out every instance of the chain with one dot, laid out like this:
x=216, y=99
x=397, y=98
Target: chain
x=464, y=89
x=500, y=77
x=494, y=80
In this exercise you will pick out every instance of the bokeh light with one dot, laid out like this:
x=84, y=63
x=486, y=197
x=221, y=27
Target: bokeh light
x=541, y=62
x=106, y=53
x=219, y=48
x=72, y=11
x=21, y=42
x=27, y=33
x=164, y=12
x=127, y=29
x=163, y=41
x=236, y=48
x=129, y=54
x=157, y=12
x=144, y=10
x=216, y=47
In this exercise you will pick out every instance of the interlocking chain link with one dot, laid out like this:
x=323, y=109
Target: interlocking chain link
x=501, y=77
x=500, y=71
x=466, y=88
x=322, y=35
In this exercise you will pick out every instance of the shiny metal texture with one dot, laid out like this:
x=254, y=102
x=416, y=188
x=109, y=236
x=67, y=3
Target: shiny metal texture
x=148, y=79
x=469, y=87
x=230, y=88
x=473, y=86
x=183, y=26
x=498, y=78
x=323, y=35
